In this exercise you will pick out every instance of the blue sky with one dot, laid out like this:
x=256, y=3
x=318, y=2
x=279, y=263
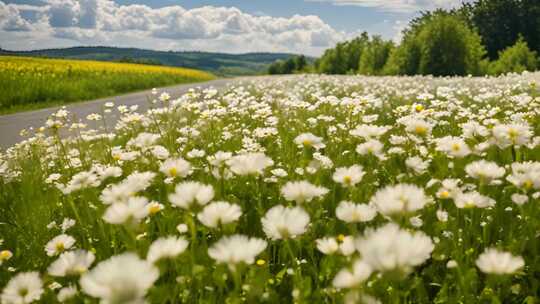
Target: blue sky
x=236, y=26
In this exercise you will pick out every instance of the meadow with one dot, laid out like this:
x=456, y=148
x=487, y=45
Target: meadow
x=300, y=189
x=31, y=83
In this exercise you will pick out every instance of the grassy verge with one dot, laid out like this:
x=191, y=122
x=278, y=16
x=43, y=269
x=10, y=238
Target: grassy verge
x=33, y=83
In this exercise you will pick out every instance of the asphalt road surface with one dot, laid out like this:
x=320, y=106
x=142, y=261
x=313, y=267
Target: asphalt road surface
x=12, y=124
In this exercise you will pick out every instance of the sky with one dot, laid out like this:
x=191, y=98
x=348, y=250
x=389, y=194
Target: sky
x=233, y=26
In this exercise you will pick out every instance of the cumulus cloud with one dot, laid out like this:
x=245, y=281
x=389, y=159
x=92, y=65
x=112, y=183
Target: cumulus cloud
x=11, y=19
x=205, y=28
x=399, y=6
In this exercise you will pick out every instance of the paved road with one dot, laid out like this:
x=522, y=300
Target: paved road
x=11, y=125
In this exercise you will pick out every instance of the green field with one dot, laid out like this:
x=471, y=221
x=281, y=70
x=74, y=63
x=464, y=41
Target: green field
x=302, y=189
x=31, y=83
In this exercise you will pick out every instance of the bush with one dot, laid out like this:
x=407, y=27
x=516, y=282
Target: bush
x=517, y=58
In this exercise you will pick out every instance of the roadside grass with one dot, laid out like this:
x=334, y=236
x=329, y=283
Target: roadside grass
x=34, y=83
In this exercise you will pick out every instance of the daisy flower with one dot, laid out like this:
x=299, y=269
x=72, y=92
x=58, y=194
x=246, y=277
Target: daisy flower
x=219, y=213
x=23, y=288
x=59, y=244
x=166, y=247
x=236, y=249
x=282, y=223
x=249, y=163
x=398, y=199
x=493, y=261
x=309, y=140
x=355, y=213
x=71, y=263
x=349, y=176
x=176, y=167
x=302, y=191
x=187, y=194
x=122, y=278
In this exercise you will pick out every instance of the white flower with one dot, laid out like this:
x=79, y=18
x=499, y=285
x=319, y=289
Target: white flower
x=166, y=247
x=390, y=248
x=302, y=191
x=59, y=244
x=218, y=159
x=416, y=126
x=519, y=199
x=327, y=245
x=219, y=213
x=348, y=176
x=417, y=164
x=177, y=167
x=236, y=249
x=354, y=213
x=249, y=163
x=473, y=199
x=373, y=147
x=71, y=263
x=25, y=287
x=525, y=175
x=452, y=146
x=132, y=212
x=122, y=278
x=369, y=131
x=160, y=152
x=281, y=223
x=188, y=193
x=493, y=261
x=309, y=140
x=512, y=135
x=66, y=293
x=349, y=278
x=400, y=198
x=484, y=170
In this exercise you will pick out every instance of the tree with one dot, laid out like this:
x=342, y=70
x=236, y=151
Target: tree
x=501, y=22
x=439, y=44
x=375, y=56
x=517, y=58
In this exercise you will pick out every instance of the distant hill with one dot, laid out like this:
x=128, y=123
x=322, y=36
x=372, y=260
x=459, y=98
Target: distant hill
x=218, y=63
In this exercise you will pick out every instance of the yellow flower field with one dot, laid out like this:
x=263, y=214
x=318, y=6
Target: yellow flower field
x=28, y=83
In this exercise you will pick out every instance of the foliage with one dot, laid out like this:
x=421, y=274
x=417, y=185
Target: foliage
x=501, y=22
x=428, y=185
x=35, y=82
x=292, y=65
x=517, y=58
x=375, y=56
x=344, y=58
x=439, y=44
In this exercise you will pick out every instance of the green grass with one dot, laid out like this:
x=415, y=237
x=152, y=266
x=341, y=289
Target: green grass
x=267, y=116
x=33, y=83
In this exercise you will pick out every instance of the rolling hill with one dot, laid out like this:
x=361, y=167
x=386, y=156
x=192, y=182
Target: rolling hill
x=218, y=63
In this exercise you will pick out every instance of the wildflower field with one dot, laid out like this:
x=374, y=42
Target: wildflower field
x=300, y=189
x=30, y=83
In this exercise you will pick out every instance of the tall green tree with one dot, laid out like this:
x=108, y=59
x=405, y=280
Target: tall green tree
x=440, y=44
x=517, y=58
x=375, y=56
x=502, y=22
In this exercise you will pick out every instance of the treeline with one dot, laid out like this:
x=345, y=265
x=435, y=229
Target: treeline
x=294, y=64
x=483, y=37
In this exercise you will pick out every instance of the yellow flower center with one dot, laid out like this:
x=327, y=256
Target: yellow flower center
x=60, y=247
x=307, y=142
x=261, y=262
x=173, y=172
x=347, y=179
x=528, y=184
x=444, y=194
x=419, y=108
x=5, y=254
x=155, y=208
x=340, y=238
x=456, y=147
x=421, y=130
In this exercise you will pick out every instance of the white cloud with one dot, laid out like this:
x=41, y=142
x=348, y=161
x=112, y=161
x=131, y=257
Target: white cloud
x=398, y=6
x=206, y=28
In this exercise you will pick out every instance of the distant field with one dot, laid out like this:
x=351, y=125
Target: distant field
x=30, y=83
